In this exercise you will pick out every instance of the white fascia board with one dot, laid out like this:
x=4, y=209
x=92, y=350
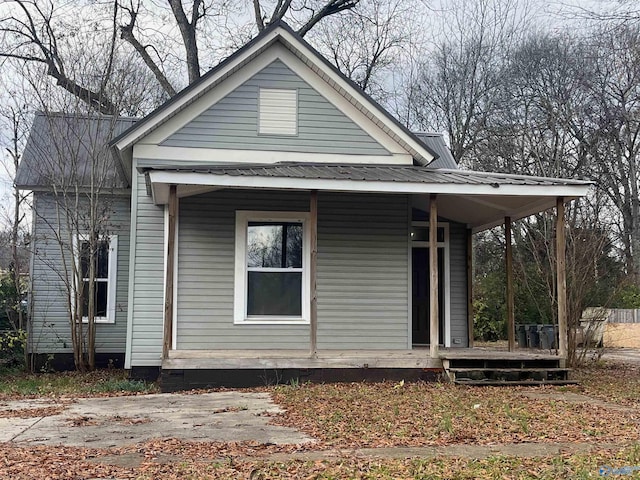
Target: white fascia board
x=373, y=109
x=172, y=108
x=216, y=156
x=159, y=178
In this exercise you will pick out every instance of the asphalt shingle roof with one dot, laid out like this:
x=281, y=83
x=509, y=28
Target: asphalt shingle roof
x=62, y=149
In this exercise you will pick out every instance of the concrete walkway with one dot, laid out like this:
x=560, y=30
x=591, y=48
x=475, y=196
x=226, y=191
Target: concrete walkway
x=622, y=355
x=120, y=421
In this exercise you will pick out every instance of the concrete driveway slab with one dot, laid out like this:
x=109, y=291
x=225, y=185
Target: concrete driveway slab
x=118, y=421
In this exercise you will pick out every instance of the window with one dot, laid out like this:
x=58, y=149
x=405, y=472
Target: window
x=105, y=279
x=278, y=112
x=272, y=258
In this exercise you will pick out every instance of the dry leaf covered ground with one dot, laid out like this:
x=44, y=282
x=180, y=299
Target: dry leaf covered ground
x=594, y=426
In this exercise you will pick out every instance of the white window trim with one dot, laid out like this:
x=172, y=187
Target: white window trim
x=243, y=217
x=112, y=281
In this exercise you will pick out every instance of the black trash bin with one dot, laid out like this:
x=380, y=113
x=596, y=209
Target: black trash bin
x=533, y=336
x=521, y=331
x=548, y=337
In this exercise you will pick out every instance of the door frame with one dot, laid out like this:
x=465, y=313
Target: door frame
x=447, y=280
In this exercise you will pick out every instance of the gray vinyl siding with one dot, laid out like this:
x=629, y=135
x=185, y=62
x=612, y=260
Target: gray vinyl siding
x=232, y=123
x=458, y=279
x=362, y=271
x=50, y=332
x=206, y=255
x=148, y=271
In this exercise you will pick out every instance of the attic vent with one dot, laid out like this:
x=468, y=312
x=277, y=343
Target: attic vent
x=278, y=112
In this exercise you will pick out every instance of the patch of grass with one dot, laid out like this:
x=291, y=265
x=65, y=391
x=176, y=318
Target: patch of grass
x=122, y=385
x=99, y=382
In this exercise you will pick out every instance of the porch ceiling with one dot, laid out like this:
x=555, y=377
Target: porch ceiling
x=478, y=199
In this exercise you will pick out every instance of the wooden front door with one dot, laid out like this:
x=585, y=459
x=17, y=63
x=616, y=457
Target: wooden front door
x=420, y=287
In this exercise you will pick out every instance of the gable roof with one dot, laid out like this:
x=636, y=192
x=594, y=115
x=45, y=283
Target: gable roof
x=280, y=32
x=62, y=149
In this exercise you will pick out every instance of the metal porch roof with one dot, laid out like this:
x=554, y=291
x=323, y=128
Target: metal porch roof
x=378, y=173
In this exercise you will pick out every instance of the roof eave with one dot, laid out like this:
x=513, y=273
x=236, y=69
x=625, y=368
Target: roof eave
x=160, y=178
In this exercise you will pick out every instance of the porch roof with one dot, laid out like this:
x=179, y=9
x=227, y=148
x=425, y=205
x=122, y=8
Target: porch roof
x=479, y=199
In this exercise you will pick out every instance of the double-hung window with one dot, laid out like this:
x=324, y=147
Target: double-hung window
x=272, y=274
x=105, y=278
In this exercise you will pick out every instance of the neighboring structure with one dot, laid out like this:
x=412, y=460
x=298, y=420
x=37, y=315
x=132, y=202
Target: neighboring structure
x=279, y=221
x=609, y=327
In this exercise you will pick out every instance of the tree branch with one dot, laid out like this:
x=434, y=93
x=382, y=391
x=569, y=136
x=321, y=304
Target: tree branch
x=257, y=12
x=330, y=8
x=126, y=33
x=188, y=32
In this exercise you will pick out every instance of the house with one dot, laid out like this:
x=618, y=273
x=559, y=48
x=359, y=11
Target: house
x=273, y=220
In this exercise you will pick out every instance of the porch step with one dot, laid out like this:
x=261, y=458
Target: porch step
x=504, y=383
x=508, y=374
x=507, y=371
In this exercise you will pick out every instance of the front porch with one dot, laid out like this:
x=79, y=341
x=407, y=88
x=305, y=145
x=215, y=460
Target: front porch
x=418, y=357
x=471, y=366
x=357, y=301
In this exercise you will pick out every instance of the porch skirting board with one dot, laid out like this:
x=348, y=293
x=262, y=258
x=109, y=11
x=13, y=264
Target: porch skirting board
x=299, y=359
x=177, y=380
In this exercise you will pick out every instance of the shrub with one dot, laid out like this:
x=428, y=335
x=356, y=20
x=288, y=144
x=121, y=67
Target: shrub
x=12, y=347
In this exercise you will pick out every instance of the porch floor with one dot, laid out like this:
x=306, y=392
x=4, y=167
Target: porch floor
x=418, y=357
x=299, y=359
x=481, y=353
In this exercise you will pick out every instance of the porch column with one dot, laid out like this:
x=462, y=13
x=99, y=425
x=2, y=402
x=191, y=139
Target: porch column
x=508, y=253
x=470, y=286
x=168, y=288
x=434, y=321
x=313, y=229
x=561, y=274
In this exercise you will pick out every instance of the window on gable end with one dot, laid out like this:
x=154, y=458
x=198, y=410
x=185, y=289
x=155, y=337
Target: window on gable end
x=278, y=111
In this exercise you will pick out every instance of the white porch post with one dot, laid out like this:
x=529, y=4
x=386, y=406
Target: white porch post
x=434, y=320
x=313, y=228
x=561, y=274
x=168, y=293
x=508, y=254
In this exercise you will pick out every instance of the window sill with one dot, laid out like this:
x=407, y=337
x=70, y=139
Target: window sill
x=272, y=321
x=99, y=320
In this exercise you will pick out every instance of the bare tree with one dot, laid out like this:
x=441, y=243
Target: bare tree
x=80, y=185
x=460, y=79
x=42, y=33
x=14, y=123
x=368, y=42
x=610, y=132
x=75, y=216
